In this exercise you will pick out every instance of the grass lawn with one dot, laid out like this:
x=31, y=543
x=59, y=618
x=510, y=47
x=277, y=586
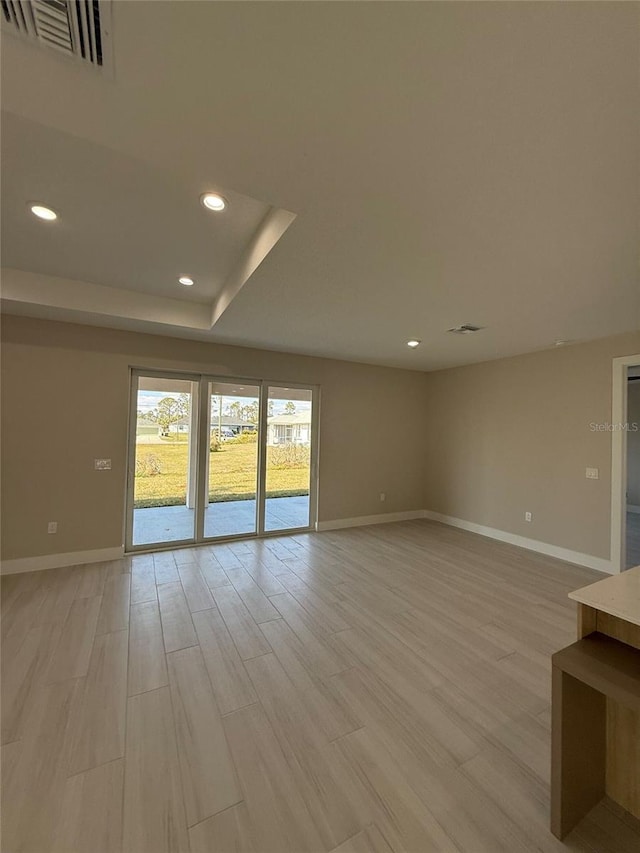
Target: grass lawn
x=232, y=475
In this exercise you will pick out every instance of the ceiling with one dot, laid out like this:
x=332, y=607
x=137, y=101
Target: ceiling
x=122, y=223
x=393, y=170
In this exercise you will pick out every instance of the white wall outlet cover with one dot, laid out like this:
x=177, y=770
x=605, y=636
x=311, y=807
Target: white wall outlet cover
x=592, y=474
x=52, y=527
x=528, y=516
x=382, y=496
x=102, y=464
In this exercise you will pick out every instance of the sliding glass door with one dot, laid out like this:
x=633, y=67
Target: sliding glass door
x=232, y=478
x=162, y=467
x=288, y=458
x=213, y=458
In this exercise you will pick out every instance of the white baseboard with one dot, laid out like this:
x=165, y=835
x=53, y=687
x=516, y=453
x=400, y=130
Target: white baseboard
x=364, y=520
x=597, y=563
x=75, y=558
x=633, y=508
x=56, y=561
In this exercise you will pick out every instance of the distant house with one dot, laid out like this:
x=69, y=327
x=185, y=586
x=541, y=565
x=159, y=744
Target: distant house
x=289, y=429
x=229, y=425
x=180, y=427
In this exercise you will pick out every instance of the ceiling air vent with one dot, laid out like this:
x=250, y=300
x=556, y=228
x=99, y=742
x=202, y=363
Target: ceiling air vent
x=77, y=28
x=465, y=329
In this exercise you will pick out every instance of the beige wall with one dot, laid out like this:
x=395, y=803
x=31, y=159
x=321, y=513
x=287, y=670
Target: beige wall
x=483, y=443
x=65, y=402
x=633, y=445
x=513, y=435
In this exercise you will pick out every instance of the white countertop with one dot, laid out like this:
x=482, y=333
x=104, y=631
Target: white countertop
x=618, y=595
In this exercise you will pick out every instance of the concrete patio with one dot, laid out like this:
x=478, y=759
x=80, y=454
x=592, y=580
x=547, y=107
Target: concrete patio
x=227, y=518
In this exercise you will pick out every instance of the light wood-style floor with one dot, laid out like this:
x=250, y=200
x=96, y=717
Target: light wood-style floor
x=373, y=690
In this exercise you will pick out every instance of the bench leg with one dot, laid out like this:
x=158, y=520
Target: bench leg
x=578, y=751
x=587, y=620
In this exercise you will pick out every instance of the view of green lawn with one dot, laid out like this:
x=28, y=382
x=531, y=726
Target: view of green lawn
x=161, y=473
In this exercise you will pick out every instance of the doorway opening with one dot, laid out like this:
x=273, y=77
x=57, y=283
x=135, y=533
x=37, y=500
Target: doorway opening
x=632, y=519
x=625, y=464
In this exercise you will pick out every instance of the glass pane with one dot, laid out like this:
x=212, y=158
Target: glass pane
x=165, y=469
x=233, y=459
x=288, y=475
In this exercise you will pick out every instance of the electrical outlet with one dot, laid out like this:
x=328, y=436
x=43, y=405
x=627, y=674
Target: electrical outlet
x=52, y=527
x=102, y=464
x=528, y=516
x=383, y=497
x=592, y=474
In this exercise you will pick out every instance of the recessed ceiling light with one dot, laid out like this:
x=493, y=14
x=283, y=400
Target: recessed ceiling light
x=414, y=343
x=184, y=279
x=213, y=201
x=561, y=342
x=43, y=212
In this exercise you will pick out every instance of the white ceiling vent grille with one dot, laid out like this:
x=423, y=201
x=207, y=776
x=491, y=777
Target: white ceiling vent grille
x=465, y=329
x=77, y=28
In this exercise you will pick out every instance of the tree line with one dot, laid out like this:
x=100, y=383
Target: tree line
x=171, y=410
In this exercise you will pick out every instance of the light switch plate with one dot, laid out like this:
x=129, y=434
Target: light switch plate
x=592, y=474
x=102, y=464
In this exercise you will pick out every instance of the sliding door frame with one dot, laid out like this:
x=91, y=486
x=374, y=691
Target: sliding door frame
x=204, y=462
x=134, y=377
x=313, y=461
x=202, y=401
x=261, y=497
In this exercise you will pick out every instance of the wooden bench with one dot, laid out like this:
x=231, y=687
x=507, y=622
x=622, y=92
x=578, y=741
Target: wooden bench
x=584, y=675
